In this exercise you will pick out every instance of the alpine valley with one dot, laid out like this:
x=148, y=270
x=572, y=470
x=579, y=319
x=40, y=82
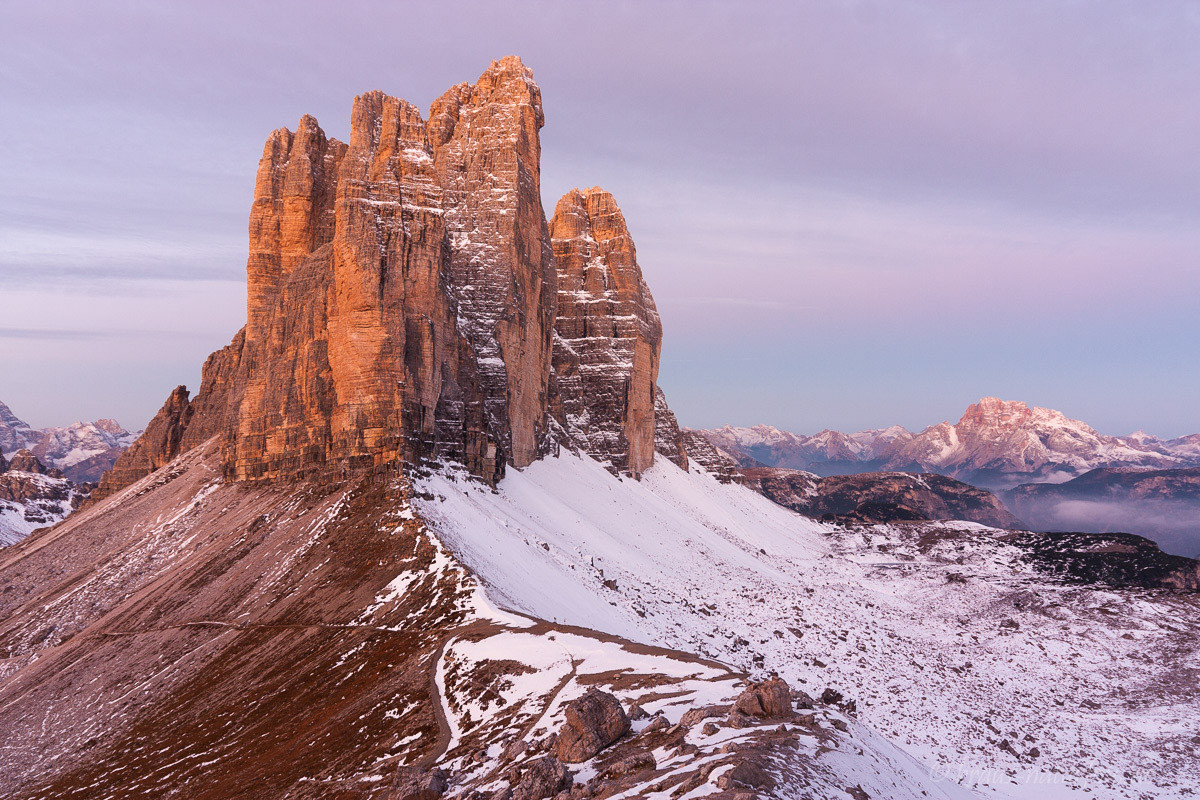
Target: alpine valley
x=429, y=528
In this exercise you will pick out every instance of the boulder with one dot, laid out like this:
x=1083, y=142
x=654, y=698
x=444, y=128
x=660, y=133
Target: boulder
x=695, y=716
x=594, y=721
x=746, y=773
x=771, y=699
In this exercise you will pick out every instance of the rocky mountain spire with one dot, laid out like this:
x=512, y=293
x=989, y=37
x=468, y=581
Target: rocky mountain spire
x=403, y=304
x=607, y=334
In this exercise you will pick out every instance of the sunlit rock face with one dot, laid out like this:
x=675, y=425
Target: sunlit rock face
x=400, y=297
x=401, y=288
x=408, y=302
x=607, y=335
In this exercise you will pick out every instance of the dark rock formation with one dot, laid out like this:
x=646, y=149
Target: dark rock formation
x=668, y=439
x=25, y=461
x=541, y=778
x=711, y=458
x=418, y=783
x=1114, y=559
x=880, y=497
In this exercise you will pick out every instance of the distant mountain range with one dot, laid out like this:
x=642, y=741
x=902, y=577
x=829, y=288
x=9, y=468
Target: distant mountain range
x=83, y=451
x=996, y=444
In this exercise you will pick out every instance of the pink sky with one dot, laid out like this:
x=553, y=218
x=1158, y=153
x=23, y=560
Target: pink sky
x=851, y=214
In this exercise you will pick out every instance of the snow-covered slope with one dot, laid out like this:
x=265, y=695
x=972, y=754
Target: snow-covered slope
x=953, y=647
x=29, y=501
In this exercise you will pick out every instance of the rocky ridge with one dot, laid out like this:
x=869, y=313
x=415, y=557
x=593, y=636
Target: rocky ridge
x=995, y=444
x=880, y=497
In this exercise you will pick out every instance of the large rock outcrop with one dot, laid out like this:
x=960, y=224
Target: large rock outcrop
x=404, y=304
x=607, y=334
x=668, y=438
x=402, y=289
x=400, y=297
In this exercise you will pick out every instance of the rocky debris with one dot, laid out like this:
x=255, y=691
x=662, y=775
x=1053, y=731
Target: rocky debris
x=593, y=722
x=856, y=793
x=418, y=783
x=630, y=763
x=831, y=696
x=801, y=698
x=770, y=699
x=541, y=778
x=657, y=723
x=607, y=334
x=875, y=497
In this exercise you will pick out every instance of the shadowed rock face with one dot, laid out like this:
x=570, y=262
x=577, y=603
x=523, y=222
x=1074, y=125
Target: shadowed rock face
x=668, y=438
x=607, y=335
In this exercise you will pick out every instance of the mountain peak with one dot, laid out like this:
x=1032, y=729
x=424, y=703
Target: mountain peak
x=404, y=304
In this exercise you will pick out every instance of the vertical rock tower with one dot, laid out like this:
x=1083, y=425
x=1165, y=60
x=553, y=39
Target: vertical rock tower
x=607, y=334
x=407, y=300
x=401, y=297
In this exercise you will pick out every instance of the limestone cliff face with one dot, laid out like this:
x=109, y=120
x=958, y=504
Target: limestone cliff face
x=402, y=288
x=403, y=304
x=487, y=154
x=607, y=335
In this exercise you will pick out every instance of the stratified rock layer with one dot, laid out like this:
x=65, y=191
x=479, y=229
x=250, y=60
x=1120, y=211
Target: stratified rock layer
x=607, y=335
